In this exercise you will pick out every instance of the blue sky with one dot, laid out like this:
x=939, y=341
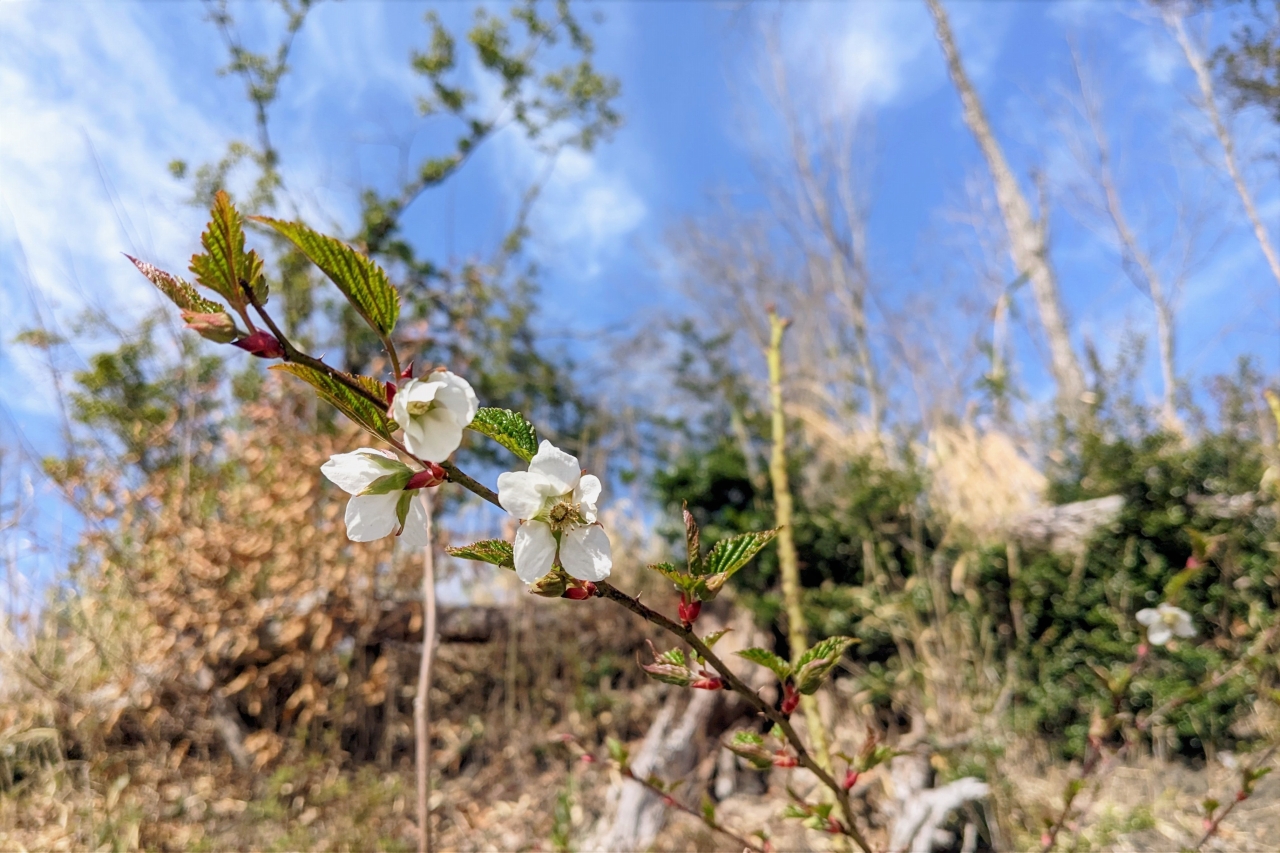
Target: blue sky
x=97, y=97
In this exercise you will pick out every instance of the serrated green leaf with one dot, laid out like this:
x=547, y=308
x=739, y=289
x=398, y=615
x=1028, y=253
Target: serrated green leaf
x=179, y=291
x=750, y=746
x=691, y=539
x=818, y=661
x=793, y=812
x=495, y=552
x=764, y=657
x=361, y=280
x=509, y=429
x=712, y=639
x=730, y=555
x=353, y=405
x=225, y=265
x=675, y=657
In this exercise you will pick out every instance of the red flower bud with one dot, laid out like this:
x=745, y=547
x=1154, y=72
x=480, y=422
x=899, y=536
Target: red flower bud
x=1143, y=649
x=833, y=826
x=576, y=593
x=782, y=759
x=391, y=393
x=587, y=758
x=262, y=344
x=850, y=779
x=790, y=699
x=1193, y=562
x=708, y=683
x=688, y=610
x=1241, y=796
x=432, y=475
x=668, y=802
x=407, y=373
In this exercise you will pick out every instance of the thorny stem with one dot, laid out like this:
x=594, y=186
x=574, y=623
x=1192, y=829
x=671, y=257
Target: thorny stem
x=676, y=804
x=1240, y=797
x=607, y=590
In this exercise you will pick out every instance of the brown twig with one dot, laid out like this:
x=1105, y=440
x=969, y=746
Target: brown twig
x=1242, y=794
x=672, y=802
x=422, y=702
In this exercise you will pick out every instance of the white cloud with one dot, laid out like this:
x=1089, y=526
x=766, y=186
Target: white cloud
x=90, y=113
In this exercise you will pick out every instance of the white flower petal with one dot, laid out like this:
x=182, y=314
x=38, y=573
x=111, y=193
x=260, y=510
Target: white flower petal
x=588, y=491
x=585, y=553
x=560, y=469
x=353, y=472
x=413, y=391
x=457, y=395
x=1159, y=634
x=1148, y=616
x=1185, y=627
x=414, y=534
x=371, y=517
x=518, y=493
x=535, y=550
x=433, y=436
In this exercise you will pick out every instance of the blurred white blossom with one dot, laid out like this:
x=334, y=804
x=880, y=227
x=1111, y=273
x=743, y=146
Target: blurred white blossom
x=1166, y=621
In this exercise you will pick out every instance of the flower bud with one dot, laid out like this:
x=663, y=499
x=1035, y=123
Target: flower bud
x=587, y=758
x=1241, y=796
x=708, y=683
x=833, y=826
x=391, y=393
x=782, y=759
x=432, y=475
x=217, y=327
x=407, y=373
x=262, y=344
x=790, y=699
x=688, y=610
x=850, y=779
x=551, y=585
x=576, y=593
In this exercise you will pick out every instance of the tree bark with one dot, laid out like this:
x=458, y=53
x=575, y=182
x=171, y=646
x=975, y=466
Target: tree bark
x=1174, y=20
x=1026, y=235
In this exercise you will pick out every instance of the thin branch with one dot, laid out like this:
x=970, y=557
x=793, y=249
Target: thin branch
x=422, y=702
x=676, y=804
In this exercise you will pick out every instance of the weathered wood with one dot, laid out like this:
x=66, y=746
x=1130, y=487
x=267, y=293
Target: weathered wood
x=1065, y=528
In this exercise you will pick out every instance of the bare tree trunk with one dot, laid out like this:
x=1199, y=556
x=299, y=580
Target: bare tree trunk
x=1135, y=259
x=788, y=564
x=422, y=702
x=1026, y=235
x=1174, y=21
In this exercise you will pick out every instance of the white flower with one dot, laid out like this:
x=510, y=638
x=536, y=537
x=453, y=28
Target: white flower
x=557, y=504
x=379, y=505
x=1164, y=622
x=433, y=411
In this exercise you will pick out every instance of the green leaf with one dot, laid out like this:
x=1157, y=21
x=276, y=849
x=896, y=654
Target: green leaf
x=691, y=539
x=815, y=664
x=617, y=751
x=750, y=746
x=402, y=510
x=179, y=292
x=730, y=555
x=225, y=265
x=708, y=810
x=353, y=405
x=361, y=280
x=712, y=639
x=675, y=657
x=495, y=552
x=509, y=429
x=764, y=657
